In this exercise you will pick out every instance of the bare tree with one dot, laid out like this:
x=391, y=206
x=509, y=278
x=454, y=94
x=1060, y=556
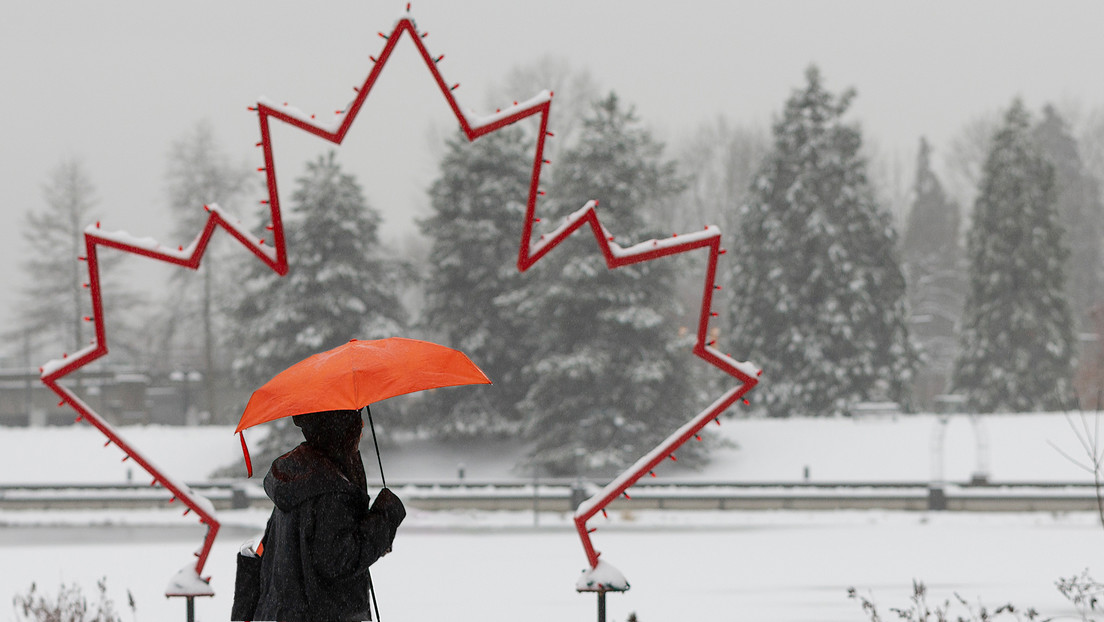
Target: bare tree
x=1087, y=126
x=719, y=162
x=199, y=173
x=574, y=91
x=1088, y=437
x=966, y=155
x=54, y=308
x=53, y=302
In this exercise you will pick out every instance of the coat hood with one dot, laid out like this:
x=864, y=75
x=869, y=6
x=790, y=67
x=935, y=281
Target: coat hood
x=303, y=473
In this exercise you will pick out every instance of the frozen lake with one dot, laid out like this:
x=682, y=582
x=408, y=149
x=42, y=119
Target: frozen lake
x=490, y=567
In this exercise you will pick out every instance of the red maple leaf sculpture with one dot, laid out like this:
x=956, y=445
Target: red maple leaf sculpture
x=530, y=251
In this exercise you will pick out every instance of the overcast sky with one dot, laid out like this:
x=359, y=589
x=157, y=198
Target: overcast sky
x=114, y=82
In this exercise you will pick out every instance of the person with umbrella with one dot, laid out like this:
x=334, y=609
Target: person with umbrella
x=324, y=534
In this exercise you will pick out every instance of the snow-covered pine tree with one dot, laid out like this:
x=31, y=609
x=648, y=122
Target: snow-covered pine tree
x=934, y=275
x=1016, y=345
x=818, y=293
x=340, y=286
x=478, y=207
x=607, y=379
x=1079, y=211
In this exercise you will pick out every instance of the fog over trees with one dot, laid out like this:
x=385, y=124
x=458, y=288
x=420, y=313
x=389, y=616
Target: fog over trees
x=839, y=300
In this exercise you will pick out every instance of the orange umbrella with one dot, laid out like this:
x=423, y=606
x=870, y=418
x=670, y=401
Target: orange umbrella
x=356, y=374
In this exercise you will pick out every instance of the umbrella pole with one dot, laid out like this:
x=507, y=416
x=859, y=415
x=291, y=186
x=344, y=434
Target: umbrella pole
x=372, y=592
x=375, y=442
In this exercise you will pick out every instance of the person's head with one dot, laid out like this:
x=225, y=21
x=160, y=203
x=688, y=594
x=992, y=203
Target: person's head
x=333, y=432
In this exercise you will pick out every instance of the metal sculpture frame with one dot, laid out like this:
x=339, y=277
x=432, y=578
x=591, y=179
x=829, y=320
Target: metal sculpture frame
x=532, y=248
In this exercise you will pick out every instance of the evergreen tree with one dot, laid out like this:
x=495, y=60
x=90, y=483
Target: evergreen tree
x=1017, y=343
x=936, y=286
x=931, y=235
x=1079, y=211
x=340, y=285
x=606, y=382
x=478, y=208
x=819, y=297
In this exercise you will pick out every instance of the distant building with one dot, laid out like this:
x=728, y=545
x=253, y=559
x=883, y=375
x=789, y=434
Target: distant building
x=122, y=396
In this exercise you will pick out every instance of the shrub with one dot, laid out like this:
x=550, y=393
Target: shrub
x=70, y=605
x=920, y=611
x=1084, y=592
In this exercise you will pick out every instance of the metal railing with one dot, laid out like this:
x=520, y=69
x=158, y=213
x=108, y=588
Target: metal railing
x=565, y=495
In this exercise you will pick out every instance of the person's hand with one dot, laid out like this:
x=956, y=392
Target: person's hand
x=389, y=504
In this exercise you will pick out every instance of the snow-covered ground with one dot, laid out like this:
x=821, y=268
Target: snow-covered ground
x=1013, y=448
x=489, y=566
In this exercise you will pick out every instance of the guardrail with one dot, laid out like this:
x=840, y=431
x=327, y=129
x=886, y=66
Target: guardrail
x=565, y=495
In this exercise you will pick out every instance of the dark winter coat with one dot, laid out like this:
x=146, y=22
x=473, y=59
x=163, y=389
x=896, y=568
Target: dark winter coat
x=320, y=540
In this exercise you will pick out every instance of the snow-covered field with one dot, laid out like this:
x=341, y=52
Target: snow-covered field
x=490, y=566
x=1014, y=448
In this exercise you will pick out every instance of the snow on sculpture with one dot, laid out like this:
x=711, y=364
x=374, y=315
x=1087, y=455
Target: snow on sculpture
x=602, y=576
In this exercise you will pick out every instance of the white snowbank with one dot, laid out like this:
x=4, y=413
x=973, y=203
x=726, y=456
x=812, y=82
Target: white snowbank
x=777, y=566
x=1008, y=448
x=76, y=454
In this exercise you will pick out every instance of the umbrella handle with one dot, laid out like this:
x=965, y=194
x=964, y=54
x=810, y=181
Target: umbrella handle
x=375, y=442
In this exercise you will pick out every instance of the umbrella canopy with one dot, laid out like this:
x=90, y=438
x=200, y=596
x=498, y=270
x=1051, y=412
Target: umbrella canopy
x=356, y=374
